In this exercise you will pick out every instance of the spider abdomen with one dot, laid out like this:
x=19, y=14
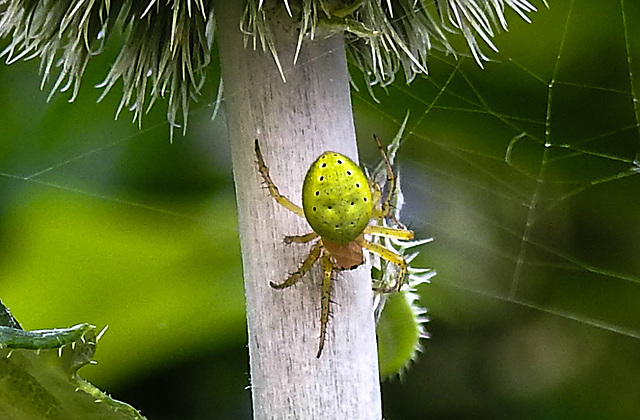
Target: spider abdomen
x=336, y=198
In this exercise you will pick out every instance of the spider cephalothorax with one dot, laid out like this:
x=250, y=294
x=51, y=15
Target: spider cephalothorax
x=339, y=202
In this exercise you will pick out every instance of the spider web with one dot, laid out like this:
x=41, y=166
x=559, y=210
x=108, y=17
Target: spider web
x=528, y=171
x=526, y=174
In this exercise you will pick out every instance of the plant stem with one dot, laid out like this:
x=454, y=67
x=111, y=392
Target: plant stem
x=295, y=122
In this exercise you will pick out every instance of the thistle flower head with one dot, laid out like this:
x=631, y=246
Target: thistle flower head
x=167, y=44
x=386, y=36
x=403, y=324
x=166, y=47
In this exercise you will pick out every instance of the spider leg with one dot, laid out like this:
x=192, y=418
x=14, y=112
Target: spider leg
x=391, y=181
x=376, y=195
x=389, y=232
x=313, y=256
x=327, y=271
x=300, y=239
x=392, y=257
x=273, y=190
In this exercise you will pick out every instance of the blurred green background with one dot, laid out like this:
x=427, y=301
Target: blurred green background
x=535, y=311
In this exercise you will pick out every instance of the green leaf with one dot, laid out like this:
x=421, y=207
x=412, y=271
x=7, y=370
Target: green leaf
x=38, y=377
x=398, y=336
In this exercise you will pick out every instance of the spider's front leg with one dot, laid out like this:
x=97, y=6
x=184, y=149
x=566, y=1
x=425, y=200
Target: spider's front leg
x=392, y=257
x=389, y=232
x=313, y=256
x=327, y=272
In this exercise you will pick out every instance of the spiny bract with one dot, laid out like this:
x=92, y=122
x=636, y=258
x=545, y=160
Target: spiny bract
x=336, y=198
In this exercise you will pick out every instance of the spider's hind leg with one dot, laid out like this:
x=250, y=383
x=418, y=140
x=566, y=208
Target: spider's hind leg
x=313, y=256
x=385, y=201
x=273, y=190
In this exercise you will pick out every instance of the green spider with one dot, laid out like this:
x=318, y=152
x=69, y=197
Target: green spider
x=339, y=202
